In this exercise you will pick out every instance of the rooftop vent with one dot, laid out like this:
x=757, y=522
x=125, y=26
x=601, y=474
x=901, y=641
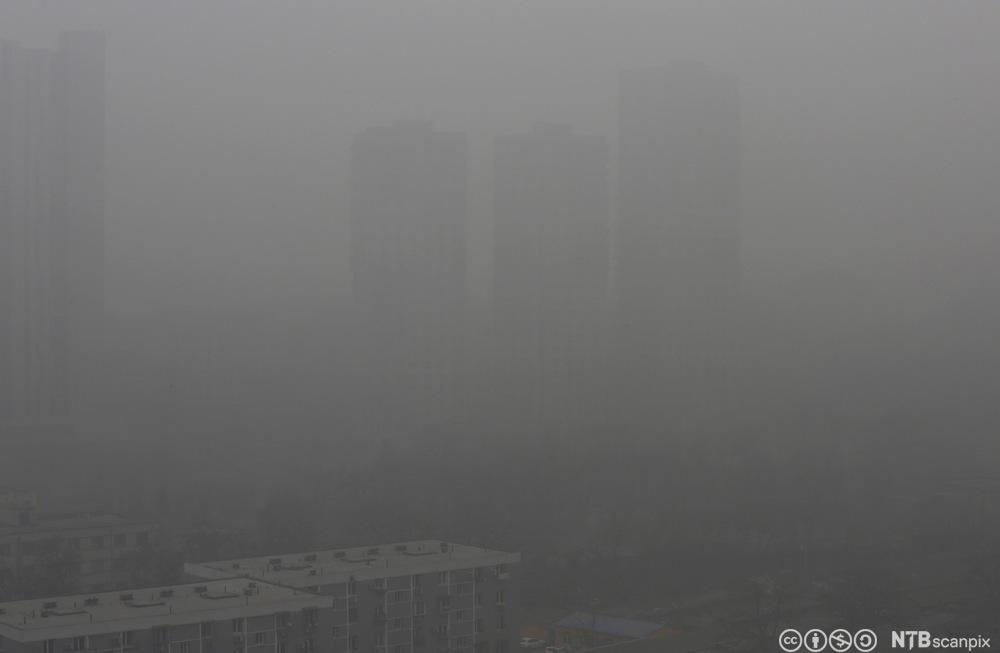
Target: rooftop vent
x=201, y=589
x=91, y=601
x=48, y=605
x=166, y=593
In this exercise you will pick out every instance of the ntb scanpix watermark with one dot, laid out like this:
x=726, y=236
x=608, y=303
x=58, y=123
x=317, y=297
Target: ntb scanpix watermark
x=865, y=641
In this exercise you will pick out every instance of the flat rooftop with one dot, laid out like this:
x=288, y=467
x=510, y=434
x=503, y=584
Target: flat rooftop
x=316, y=568
x=112, y=612
x=80, y=522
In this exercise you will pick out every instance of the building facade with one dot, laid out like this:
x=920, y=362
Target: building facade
x=409, y=230
x=231, y=615
x=86, y=552
x=677, y=240
x=52, y=142
x=401, y=598
x=551, y=266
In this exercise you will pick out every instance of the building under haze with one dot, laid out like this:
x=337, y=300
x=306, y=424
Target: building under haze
x=551, y=265
x=409, y=227
x=428, y=595
x=52, y=146
x=677, y=242
x=235, y=614
x=95, y=551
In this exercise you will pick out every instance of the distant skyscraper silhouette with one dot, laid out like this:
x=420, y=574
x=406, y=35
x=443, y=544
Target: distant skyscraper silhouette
x=551, y=264
x=52, y=143
x=678, y=240
x=409, y=227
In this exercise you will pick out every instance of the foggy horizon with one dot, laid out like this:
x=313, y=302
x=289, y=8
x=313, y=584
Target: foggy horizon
x=630, y=289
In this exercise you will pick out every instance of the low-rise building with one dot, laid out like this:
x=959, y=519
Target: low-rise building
x=100, y=548
x=235, y=615
x=401, y=598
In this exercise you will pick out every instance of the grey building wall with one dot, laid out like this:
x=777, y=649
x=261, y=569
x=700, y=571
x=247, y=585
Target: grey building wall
x=552, y=260
x=678, y=238
x=51, y=223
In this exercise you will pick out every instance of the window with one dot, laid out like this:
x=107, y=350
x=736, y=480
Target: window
x=442, y=578
x=500, y=646
x=97, y=542
x=479, y=625
x=183, y=647
x=419, y=608
x=128, y=638
x=160, y=634
x=501, y=622
x=50, y=646
x=258, y=640
x=206, y=629
x=400, y=595
x=463, y=588
x=311, y=616
x=479, y=598
x=237, y=625
x=352, y=587
x=416, y=580
x=398, y=648
x=379, y=612
x=463, y=615
x=352, y=615
x=282, y=647
x=339, y=604
x=79, y=643
x=500, y=597
x=379, y=638
x=354, y=642
x=337, y=632
x=396, y=624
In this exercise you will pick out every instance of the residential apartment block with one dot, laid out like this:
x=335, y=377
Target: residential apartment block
x=223, y=616
x=400, y=598
x=100, y=547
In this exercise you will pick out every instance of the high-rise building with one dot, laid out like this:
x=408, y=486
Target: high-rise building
x=678, y=240
x=52, y=141
x=551, y=265
x=409, y=228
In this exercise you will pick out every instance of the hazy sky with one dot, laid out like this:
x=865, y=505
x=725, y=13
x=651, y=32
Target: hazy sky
x=870, y=131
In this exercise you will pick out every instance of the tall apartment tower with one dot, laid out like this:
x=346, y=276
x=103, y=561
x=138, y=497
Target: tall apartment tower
x=52, y=144
x=678, y=241
x=409, y=226
x=552, y=258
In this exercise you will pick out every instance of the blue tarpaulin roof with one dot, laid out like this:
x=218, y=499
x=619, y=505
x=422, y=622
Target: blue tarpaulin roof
x=607, y=625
